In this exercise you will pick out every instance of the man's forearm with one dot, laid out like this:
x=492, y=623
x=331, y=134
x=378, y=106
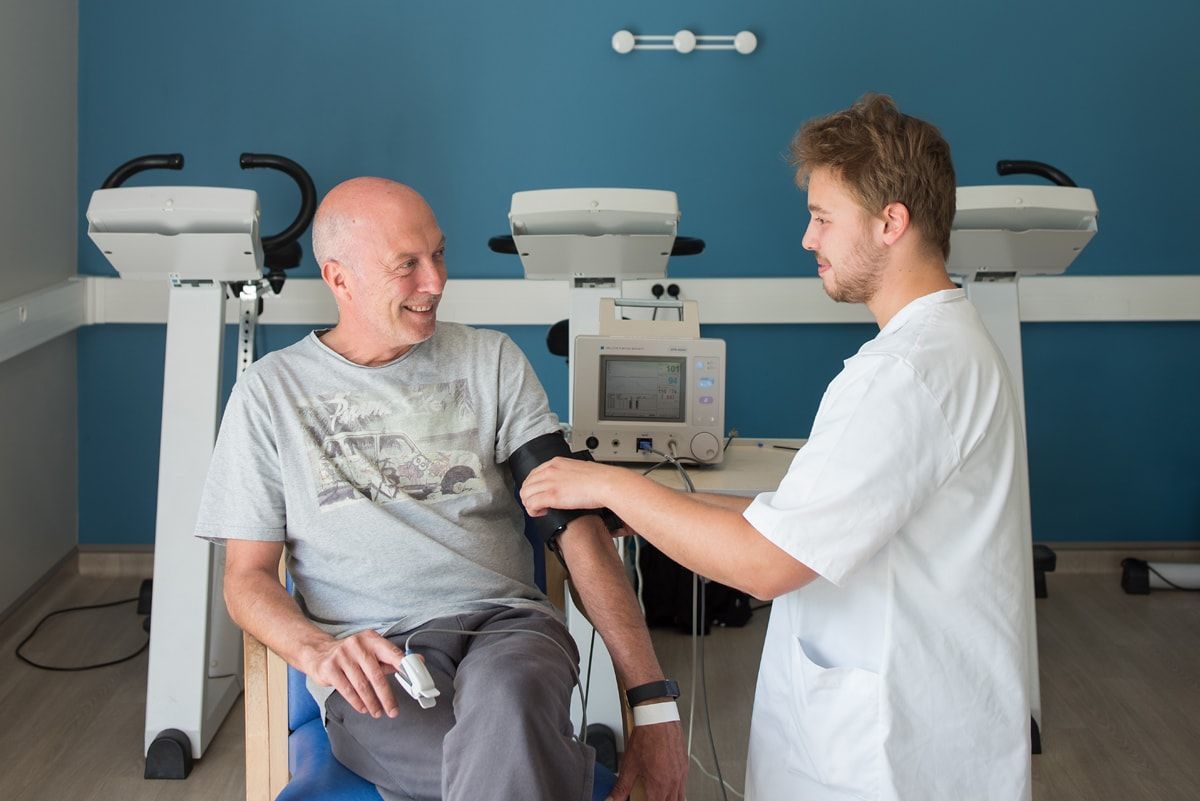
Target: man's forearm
x=654, y=754
x=261, y=606
x=599, y=578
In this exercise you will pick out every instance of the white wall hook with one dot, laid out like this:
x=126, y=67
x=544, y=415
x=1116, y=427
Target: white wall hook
x=684, y=41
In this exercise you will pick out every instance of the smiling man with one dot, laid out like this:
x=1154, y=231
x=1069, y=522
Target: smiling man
x=895, y=661
x=373, y=455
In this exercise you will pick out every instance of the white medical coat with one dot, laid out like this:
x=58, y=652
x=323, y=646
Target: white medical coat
x=901, y=672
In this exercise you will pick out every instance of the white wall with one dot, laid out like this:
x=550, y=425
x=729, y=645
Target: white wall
x=38, y=145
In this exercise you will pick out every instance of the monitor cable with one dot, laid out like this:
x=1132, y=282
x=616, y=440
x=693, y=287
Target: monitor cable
x=65, y=669
x=698, y=612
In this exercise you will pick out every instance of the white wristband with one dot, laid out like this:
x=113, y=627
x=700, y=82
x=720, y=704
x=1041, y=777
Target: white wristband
x=648, y=715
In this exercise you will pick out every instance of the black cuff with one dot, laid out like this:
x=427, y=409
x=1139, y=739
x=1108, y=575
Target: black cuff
x=537, y=451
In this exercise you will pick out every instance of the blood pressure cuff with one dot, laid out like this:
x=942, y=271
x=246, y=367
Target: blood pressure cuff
x=540, y=450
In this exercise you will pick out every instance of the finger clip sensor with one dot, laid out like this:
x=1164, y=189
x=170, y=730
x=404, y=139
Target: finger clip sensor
x=415, y=679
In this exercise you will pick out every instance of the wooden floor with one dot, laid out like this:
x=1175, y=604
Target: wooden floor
x=1120, y=683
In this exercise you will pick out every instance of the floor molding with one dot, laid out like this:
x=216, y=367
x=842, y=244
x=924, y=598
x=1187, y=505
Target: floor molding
x=1105, y=557
x=62, y=564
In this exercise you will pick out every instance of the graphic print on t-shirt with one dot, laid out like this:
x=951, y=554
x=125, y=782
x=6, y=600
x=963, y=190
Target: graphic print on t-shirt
x=413, y=442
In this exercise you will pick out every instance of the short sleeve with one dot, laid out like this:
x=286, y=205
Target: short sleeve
x=243, y=496
x=523, y=411
x=879, y=448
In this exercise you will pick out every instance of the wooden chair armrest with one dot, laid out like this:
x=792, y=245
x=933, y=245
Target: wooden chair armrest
x=265, y=699
x=266, y=706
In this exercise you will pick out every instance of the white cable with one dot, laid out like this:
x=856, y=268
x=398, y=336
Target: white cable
x=695, y=662
x=637, y=567
x=696, y=623
x=703, y=770
x=691, y=488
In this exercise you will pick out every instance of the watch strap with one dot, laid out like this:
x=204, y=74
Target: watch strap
x=666, y=688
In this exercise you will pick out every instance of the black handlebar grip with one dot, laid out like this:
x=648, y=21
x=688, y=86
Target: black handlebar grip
x=308, y=195
x=683, y=246
x=1052, y=174
x=503, y=244
x=154, y=161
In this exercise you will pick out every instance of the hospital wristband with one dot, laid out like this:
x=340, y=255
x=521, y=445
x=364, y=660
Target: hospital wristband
x=650, y=714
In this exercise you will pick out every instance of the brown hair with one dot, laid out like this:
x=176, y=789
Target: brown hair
x=882, y=157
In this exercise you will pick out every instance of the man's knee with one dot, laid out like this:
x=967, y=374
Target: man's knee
x=524, y=686
x=520, y=692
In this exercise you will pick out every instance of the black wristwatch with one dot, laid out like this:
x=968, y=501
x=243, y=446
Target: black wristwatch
x=655, y=689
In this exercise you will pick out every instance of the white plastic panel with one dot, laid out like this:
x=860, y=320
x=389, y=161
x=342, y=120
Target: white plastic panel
x=1024, y=230
x=194, y=232
x=583, y=233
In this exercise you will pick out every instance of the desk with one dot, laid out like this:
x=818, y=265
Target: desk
x=750, y=466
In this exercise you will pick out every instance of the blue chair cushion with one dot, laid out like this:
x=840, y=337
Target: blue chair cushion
x=602, y=782
x=316, y=775
x=301, y=706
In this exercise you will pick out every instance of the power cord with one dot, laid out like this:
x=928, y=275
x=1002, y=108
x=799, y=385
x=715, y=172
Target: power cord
x=707, y=718
x=1161, y=577
x=637, y=569
x=587, y=684
x=58, y=668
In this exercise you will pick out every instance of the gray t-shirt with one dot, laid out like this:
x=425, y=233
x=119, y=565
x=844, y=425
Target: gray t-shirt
x=386, y=483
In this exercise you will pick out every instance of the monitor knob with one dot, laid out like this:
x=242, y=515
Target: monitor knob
x=705, y=446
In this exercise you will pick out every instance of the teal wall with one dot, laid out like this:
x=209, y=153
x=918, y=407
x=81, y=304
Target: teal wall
x=471, y=100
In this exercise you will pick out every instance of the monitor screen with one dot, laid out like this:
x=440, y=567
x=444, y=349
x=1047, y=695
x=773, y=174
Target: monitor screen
x=642, y=388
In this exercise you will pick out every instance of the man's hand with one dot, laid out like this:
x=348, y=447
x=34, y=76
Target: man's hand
x=656, y=755
x=358, y=667
x=569, y=484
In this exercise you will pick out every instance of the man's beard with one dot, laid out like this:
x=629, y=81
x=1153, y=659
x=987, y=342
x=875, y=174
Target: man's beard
x=858, y=280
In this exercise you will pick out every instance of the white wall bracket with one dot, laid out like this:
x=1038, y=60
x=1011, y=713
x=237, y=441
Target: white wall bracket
x=684, y=41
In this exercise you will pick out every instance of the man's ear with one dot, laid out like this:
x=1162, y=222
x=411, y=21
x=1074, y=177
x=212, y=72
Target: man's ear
x=896, y=222
x=334, y=273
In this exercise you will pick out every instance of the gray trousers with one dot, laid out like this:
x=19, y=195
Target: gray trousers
x=501, y=728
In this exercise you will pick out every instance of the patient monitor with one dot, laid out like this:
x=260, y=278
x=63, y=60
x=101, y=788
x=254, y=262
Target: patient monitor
x=649, y=385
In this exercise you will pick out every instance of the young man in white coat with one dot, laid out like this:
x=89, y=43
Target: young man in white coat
x=895, y=662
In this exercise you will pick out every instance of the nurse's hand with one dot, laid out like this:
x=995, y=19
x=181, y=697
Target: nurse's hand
x=563, y=483
x=654, y=754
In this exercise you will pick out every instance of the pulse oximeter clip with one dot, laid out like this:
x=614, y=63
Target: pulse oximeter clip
x=415, y=679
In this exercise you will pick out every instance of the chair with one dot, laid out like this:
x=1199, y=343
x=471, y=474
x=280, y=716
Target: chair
x=288, y=757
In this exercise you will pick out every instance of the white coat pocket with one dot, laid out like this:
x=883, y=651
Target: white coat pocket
x=836, y=711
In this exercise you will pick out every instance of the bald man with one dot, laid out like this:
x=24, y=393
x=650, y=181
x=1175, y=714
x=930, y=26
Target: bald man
x=373, y=455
